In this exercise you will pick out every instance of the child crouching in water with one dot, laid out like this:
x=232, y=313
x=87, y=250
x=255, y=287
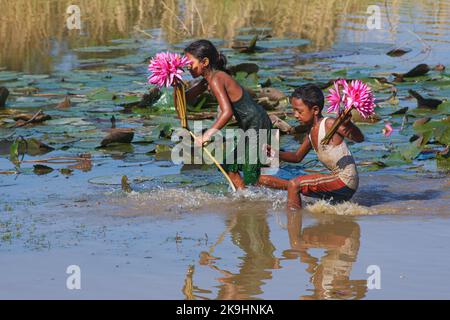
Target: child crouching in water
x=340, y=185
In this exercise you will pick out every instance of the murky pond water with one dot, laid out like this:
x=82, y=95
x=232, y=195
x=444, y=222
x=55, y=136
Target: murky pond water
x=180, y=234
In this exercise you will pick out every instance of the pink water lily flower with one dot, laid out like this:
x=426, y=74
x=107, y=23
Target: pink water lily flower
x=387, y=130
x=336, y=97
x=166, y=68
x=359, y=95
x=355, y=94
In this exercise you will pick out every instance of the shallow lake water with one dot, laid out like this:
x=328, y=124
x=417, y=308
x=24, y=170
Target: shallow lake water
x=180, y=234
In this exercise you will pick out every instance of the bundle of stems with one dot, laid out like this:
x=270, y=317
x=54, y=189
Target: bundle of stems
x=343, y=116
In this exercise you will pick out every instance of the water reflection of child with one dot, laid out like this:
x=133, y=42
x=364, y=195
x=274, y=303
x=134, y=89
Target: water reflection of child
x=208, y=63
x=330, y=275
x=340, y=185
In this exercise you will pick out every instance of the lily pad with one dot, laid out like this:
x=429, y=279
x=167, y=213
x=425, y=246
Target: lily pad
x=113, y=180
x=6, y=76
x=35, y=76
x=99, y=49
x=42, y=170
x=283, y=43
x=66, y=121
x=116, y=180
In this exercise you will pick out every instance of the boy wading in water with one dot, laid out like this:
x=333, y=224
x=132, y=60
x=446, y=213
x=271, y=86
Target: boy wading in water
x=340, y=185
x=208, y=63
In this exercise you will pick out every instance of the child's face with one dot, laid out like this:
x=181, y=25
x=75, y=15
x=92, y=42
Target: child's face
x=302, y=112
x=196, y=67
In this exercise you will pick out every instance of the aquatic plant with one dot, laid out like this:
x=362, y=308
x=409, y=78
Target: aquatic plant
x=344, y=97
x=166, y=69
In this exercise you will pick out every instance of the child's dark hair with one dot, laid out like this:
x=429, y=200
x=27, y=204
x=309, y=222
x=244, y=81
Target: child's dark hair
x=310, y=94
x=205, y=49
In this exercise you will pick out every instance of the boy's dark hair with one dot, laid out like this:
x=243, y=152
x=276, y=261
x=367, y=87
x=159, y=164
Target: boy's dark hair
x=205, y=49
x=310, y=94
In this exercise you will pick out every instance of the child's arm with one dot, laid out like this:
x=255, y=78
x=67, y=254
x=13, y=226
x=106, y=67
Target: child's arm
x=298, y=155
x=195, y=91
x=350, y=131
x=218, y=88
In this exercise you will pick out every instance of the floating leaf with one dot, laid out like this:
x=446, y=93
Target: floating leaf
x=398, y=52
x=34, y=147
x=247, y=80
x=283, y=43
x=161, y=148
x=66, y=171
x=7, y=76
x=118, y=136
x=42, y=170
x=101, y=94
x=66, y=121
x=107, y=180
x=410, y=152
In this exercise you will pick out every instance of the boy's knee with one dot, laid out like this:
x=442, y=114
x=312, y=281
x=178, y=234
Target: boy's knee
x=293, y=185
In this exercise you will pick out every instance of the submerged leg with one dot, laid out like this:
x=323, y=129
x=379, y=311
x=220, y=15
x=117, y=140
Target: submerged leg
x=237, y=180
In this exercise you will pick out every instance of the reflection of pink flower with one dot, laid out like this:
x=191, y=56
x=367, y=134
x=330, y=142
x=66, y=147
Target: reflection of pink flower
x=387, y=130
x=359, y=95
x=166, y=67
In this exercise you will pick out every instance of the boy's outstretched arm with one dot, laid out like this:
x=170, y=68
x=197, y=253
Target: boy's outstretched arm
x=298, y=155
x=350, y=131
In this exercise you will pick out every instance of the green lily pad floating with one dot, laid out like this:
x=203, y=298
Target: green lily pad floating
x=67, y=121
x=247, y=80
x=254, y=29
x=100, y=94
x=127, y=100
x=60, y=139
x=182, y=180
x=35, y=76
x=66, y=171
x=162, y=148
x=244, y=37
x=106, y=110
x=282, y=43
x=118, y=149
x=94, y=49
x=116, y=180
x=125, y=41
x=42, y=170
x=6, y=76
x=444, y=108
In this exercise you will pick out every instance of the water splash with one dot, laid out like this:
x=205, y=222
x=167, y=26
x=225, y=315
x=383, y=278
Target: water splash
x=341, y=209
x=163, y=200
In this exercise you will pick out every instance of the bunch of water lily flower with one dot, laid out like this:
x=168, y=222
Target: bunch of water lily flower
x=166, y=69
x=346, y=96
